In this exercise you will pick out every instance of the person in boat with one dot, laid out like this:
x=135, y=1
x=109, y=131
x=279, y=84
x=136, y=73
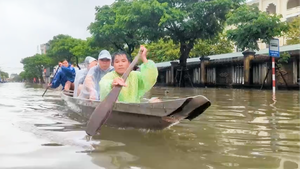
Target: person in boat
x=137, y=83
x=75, y=67
x=90, y=89
x=65, y=77
x=89, y=62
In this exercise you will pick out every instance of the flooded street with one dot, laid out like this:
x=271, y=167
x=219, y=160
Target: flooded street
x=242, y=129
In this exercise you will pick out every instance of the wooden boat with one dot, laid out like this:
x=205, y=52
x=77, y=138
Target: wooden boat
x=153, y=116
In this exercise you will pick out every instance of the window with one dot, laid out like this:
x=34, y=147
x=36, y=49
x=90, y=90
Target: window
x=292, y=4
x=271, y=9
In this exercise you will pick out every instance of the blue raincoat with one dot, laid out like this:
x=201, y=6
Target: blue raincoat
x=63, y=75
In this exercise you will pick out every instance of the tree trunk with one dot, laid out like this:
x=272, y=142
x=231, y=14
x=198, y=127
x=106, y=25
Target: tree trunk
x=42, y=79
x=77, y=63
x=69, y=58
x=130, y=50
x=118, y=46
x=40, y=69
x=185, y=50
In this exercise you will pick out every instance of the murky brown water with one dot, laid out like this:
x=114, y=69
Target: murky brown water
x=242, y=129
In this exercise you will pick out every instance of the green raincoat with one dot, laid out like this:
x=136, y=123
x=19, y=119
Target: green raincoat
x=138, y=83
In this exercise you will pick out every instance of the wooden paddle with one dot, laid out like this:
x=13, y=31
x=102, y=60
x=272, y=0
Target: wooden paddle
x=50, y=82
x=103, y=110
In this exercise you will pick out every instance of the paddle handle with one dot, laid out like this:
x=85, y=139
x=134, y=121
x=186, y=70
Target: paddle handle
x=50, y=82
x=45, y=91
x=131, y=66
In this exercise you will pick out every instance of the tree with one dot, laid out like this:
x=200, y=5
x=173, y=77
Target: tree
x=67, y=47
x=217, y=45
x=109, y=31
x=93, y=48
x=293, y=33
x=167, y=50
x=3, y=75
x=22, y=75
x=16, y=78
x=253, y=25
x=161, y=50
x=183, y=21
x=33, y=66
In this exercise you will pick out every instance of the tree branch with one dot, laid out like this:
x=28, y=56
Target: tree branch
x=117, y=46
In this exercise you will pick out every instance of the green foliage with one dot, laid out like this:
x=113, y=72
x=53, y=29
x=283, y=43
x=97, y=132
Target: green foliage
x=59, y=47
x=3, y=74
x=23, y=75
x=161, y=50
x=253, y=25
x=218, y=45
x=284, y=58
x=183, y=21
x=167, y=50
x=33, y=66
x=67, y=47
x=109, y=31
x=293, y=34
x=93, y=49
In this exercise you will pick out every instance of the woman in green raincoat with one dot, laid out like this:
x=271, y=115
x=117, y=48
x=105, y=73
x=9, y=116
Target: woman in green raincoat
x=137, y=83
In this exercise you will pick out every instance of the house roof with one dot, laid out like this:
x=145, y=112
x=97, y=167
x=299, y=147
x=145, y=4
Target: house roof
x=287, y=48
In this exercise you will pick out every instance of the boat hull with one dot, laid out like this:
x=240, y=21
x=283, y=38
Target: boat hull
x=152, y=116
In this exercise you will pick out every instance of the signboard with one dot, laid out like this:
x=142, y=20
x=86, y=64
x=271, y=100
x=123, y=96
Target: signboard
x=274, y=48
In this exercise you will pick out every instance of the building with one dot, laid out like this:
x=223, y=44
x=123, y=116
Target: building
x=46, y=71
x=289, y=9
x=13, y=75
x=239, y=69
x=44, y=48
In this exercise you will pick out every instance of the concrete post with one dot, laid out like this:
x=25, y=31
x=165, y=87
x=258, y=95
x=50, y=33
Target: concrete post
x=295, y=67
x=203, y=62
x=173, y=68
x=248, y=56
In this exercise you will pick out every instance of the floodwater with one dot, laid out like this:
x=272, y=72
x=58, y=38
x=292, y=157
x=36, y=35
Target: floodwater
x=242, y=129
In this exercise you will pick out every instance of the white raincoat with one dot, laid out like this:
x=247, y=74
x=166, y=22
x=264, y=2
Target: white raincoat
x=91, y=89
x=81, y=74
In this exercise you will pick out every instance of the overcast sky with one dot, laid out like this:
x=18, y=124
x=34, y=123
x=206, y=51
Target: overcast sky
x=25, y=24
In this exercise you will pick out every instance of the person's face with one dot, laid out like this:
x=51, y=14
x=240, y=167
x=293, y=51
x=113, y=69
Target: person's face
x=92, y=64
x=65, y=63
x=121, y=64
x=104, y=64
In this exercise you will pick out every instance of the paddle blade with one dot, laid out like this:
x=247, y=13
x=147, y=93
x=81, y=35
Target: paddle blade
x=102, y=112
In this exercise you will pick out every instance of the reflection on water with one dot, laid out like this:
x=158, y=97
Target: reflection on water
x=242, y=129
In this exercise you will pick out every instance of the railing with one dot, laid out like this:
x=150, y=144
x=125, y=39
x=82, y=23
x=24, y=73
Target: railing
x=196, y=75
x=211, y=75
x=259, y=73
x=238, y=74
x=168, y=77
